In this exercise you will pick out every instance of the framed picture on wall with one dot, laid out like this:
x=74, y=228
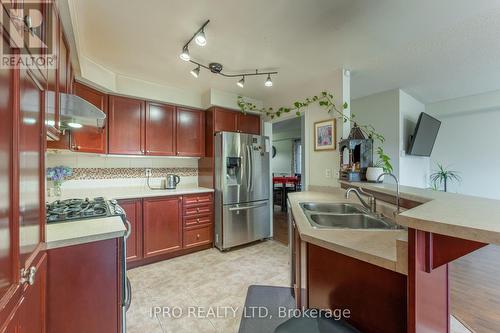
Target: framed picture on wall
x=325, y=135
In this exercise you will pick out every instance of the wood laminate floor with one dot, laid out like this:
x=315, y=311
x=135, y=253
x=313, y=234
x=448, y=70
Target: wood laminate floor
x=475, y=289
x=280, y=225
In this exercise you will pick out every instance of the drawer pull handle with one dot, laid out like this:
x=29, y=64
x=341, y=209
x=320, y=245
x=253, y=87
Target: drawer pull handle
x=198, y=220
x=198, y=236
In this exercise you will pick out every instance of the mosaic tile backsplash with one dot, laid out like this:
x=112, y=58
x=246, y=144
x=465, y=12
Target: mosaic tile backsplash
x=112, y=173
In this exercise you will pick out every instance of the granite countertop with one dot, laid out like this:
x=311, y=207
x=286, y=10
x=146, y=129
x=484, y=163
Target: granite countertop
x=449, y=214
x=83, y=231
x=91, y=230
x=126, y=192
x=384, y=248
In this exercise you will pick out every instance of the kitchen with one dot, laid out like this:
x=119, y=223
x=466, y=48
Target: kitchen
x=136, y=172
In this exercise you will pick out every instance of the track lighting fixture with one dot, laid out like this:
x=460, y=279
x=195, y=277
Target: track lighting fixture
x=185, y=54
x=196, y=72
x=216, y=68
x=200, y=38
x=269, y=82
x=241, y=83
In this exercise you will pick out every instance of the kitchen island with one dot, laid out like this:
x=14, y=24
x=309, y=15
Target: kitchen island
x=439, y=228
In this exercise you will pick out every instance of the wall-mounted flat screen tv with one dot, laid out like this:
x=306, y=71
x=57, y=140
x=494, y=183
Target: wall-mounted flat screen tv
x=423, y=139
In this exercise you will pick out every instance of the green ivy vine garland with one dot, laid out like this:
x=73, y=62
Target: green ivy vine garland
x=326, y=101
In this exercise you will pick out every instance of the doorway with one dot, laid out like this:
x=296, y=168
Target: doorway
x=287, y=169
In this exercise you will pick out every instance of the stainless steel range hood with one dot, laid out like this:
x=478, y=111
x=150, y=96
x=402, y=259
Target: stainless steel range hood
x=76, y=112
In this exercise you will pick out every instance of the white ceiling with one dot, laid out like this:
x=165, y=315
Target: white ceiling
x=433, y=49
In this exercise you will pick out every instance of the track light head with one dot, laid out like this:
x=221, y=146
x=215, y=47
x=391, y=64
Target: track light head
x=196, y=72
x=241, y=83
x=185, y=54
x=200, y=38
x=269, y=82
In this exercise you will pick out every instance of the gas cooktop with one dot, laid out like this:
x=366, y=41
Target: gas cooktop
x=76, y=209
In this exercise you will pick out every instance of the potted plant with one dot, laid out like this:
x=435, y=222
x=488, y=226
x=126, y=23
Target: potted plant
x=442, y=176
x=382, y=165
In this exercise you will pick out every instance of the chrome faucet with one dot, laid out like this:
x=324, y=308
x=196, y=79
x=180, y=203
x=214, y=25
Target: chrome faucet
x=397, y=188
x=371, y=205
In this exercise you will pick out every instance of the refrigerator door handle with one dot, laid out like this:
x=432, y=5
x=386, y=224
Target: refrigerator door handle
x=248, y=207
x=250, y=169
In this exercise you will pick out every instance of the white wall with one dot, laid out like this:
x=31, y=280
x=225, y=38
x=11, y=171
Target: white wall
x=468, y=143
x=382, y=112
x=282, y=162
x=316, y=163
x=109, y=81
x=283, y=141
x=413, y=170
x=82, y=160
x=394, y=114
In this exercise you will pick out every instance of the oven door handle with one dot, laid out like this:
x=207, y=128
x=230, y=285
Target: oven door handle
x=129, y=228
x=128, y=293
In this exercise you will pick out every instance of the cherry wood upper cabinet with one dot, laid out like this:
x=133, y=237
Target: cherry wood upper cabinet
x=52, y=93
x=133, y=210
x=190, y=132
x=225, y=120
x=63, y=64
x=31, y=150
x=160, y=129
x=89, y=139
x=10, y=292
x=162, y=225
x=126, y=125
x=248, y=123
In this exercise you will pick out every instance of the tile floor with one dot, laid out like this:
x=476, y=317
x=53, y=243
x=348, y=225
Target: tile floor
x=204, y=279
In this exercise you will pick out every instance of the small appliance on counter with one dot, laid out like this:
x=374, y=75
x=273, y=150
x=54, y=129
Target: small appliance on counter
x=172, y=181
x=79, y=210
x=169, y=183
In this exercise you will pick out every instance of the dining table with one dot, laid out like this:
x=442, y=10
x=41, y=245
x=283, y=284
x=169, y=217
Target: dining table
x=284, y=180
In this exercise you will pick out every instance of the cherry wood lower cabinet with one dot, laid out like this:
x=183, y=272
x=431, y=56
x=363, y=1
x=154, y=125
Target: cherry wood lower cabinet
x=162, y=225
x=84, y=288
x=198, y=220
x=32, y=316
x=133, y=210
x=166, y=227
x=376, y=297
x=29, y=315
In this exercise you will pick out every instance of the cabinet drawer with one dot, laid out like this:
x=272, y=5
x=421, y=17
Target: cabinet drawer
x=189, y=222
x=196, y=200
x=198, y=210
x=198, y=236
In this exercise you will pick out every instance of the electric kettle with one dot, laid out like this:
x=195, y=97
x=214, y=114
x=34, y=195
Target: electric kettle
x=172, y=181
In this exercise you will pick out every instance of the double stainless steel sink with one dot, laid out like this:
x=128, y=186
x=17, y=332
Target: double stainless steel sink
x=344, y=216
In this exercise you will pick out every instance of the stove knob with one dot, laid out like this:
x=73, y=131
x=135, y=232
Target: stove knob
x=114, y=202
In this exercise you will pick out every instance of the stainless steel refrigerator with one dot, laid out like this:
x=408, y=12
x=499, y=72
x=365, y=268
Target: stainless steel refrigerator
x=242, y=206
